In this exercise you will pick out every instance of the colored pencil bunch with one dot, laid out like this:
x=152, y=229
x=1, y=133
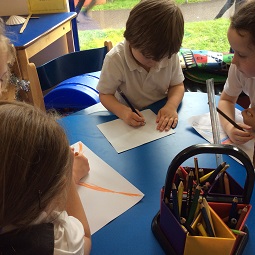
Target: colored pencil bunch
x=236, y=217
x=187, y=210
x=198, y=206
x=189, y=205
x=199, y=176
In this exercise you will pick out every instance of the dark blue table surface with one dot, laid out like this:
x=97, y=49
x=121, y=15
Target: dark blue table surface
x=36, y=28
x=146, y=167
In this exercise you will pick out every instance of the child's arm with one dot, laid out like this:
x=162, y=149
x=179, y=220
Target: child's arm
x=227, y=105
x=122, y=111
x=74, y=208
x=167, y=116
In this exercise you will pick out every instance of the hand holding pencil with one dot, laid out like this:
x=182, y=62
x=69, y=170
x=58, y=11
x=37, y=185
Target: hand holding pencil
x=238, y=133
x=80, y=165
x=128, y=102
x=134, y=117
x=131, y=118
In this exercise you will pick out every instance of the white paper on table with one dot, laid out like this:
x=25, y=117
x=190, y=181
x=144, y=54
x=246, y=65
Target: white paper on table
x=124, y=137
x=104, y=193
x=95, y=109
x=202, y=124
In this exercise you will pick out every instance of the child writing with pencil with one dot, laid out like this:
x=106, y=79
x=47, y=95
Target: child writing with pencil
x=41, y=212
x=145, y=67
x=241, y=76
x=7, y=54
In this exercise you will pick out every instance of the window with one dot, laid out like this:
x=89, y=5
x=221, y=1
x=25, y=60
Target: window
x=100, y=20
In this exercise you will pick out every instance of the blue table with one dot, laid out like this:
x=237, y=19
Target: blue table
x=39, y=34
x=145, y=167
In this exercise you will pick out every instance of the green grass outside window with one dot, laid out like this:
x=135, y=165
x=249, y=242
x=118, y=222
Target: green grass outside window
x=202, y=35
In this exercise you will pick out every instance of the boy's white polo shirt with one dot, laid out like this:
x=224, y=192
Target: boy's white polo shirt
x=120, y=70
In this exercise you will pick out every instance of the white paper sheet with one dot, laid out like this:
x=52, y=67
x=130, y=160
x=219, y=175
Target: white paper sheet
x=202, y=124
x=124, y=137
x=104, y=193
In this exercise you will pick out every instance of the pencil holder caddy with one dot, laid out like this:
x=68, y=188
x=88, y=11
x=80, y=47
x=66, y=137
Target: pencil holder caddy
x=172, y=235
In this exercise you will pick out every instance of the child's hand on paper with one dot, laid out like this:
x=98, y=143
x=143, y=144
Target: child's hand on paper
x=133, y=119
x=80, y=166
x=167, y=118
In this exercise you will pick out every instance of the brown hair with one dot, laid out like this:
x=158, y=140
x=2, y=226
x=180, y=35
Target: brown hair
x=244, y=19
x=156, y=28
x=35, y=163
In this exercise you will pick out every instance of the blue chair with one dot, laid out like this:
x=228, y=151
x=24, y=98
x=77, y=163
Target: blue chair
x=68, y=82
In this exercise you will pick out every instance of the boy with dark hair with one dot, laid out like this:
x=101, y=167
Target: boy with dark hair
x=146, y=66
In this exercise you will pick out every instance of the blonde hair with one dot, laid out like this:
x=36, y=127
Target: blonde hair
x=156, y=28
x=35, y=164
x=8, y=50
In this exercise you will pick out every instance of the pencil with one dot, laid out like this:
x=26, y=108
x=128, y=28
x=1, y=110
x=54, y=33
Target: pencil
x=201, y=229
x=207, y=208
x=209, y=229
x=205, y=177
x=228, y=119
x=233, y=209
x=226, y=184
x=191, y=231
x=212, y=177
x=196, y=169
x=189, y=191
x=220, y=180
x=194, y=205
x=128, y=102
x=180, y=194
x=175, y=202
x=241, y=217
x=182, y=177
x=80, y=147
x=200, y=200
x=209, y=177
x=238, y=232
x=25, y=24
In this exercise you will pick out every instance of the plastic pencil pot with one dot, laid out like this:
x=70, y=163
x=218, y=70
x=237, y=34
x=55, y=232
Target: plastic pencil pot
x=195, y=220
x=238, y=226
